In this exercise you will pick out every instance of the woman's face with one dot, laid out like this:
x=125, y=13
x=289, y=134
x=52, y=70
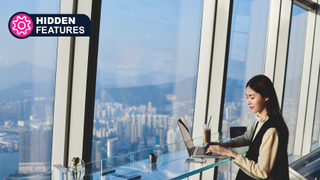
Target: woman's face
x=256, y=102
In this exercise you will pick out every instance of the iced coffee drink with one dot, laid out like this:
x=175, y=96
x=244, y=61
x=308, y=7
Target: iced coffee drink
x=206, y=133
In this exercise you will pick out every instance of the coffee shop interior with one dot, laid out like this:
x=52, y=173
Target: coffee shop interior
x=113, y=98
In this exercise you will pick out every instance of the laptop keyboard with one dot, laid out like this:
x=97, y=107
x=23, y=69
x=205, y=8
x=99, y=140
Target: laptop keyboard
x=201, y=151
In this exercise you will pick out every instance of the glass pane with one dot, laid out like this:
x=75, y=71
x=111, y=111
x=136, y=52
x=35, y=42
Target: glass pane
x=308, y=166
x=316, y=124
x=146, y=77
x=246, y=59
x=27, y=71
x=293, y=71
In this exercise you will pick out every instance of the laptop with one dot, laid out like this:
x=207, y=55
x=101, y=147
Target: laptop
x=198, y=151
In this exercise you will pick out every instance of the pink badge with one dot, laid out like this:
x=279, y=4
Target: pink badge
x=21, y=25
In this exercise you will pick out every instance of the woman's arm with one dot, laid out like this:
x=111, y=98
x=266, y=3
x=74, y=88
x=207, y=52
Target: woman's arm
x=268, y=151
x=245, y=139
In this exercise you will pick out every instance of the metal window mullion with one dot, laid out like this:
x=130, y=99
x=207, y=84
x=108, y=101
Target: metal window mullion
x=202, y=87
x=282, y=48
x=79, y=87
x=313, y=89
x=219, y=65
x=218, y=68
x=62, y=93
x=272, y=36
x=304, y=87
x=203, y=77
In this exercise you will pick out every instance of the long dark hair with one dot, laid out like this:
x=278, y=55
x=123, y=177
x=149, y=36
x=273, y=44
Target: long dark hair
x=262, y=85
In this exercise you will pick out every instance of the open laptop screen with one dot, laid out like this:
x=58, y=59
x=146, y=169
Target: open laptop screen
x=186, y=135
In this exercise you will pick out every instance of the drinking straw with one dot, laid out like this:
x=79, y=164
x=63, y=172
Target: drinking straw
x=209, y=121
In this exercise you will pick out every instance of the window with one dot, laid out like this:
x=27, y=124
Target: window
x=146, y=74
x=293, y=71
x=246, y=59
x=27, y=70
x=316, y=124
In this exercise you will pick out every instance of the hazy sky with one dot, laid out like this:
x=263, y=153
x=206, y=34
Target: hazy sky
x=150, y=36
x=141, y=36
x=39, y=51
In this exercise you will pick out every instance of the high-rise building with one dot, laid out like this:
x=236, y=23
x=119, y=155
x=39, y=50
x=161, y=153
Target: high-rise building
x=134, y=132
x=175, y=115
x=113, y=112
x=160, y=121
x=162, y=136
x=120, y=134
x=127, y=135
x=143, y=109
x=150, y=108
x=111, y=152
x=96, y=152
x=143, y=126
x=171, y=138
x=165, y=122
x=26, y=109
x=48, y=111
x=24, y=141
x=149, y=126
x=155, y=125
x=139, y=125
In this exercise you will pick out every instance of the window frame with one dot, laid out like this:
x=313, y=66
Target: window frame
x=77, y=67
x=304, y=84
x=313, y=88
x=60, y=136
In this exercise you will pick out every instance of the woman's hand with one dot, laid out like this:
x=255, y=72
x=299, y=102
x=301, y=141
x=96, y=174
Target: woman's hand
x=222, y=151
x=226, y=144
x=213, y=143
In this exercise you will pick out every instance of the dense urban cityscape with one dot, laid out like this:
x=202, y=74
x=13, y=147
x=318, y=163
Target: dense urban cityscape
x=26, y=128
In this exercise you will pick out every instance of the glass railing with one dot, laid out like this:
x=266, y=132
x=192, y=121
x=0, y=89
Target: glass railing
x=42, y=176
x=170, y=163
x=165, y=153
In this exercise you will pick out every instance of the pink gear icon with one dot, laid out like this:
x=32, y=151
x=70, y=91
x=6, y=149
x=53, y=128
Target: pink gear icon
x=21, y=25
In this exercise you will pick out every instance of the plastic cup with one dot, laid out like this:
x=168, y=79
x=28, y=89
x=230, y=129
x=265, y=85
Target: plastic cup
x=206, y=133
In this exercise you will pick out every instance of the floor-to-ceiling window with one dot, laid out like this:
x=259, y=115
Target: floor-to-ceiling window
x=293, y=71
x=27, y=71
x=246, y=59
x=146, y=74
x=316, y=121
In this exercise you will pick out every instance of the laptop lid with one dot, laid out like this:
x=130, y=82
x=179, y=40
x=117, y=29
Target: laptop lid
x=189, y=143
x=186, y=135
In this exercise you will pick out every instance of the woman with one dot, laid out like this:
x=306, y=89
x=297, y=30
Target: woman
x=267, y=156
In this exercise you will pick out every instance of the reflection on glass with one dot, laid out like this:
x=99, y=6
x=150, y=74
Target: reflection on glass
x=308, y=166
x=147, y=67
x=246, y=59
x=293, y=71
x=316, y=121
x=27, y=71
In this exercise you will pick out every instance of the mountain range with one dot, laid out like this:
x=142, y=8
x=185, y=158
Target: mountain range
x=25, y=80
